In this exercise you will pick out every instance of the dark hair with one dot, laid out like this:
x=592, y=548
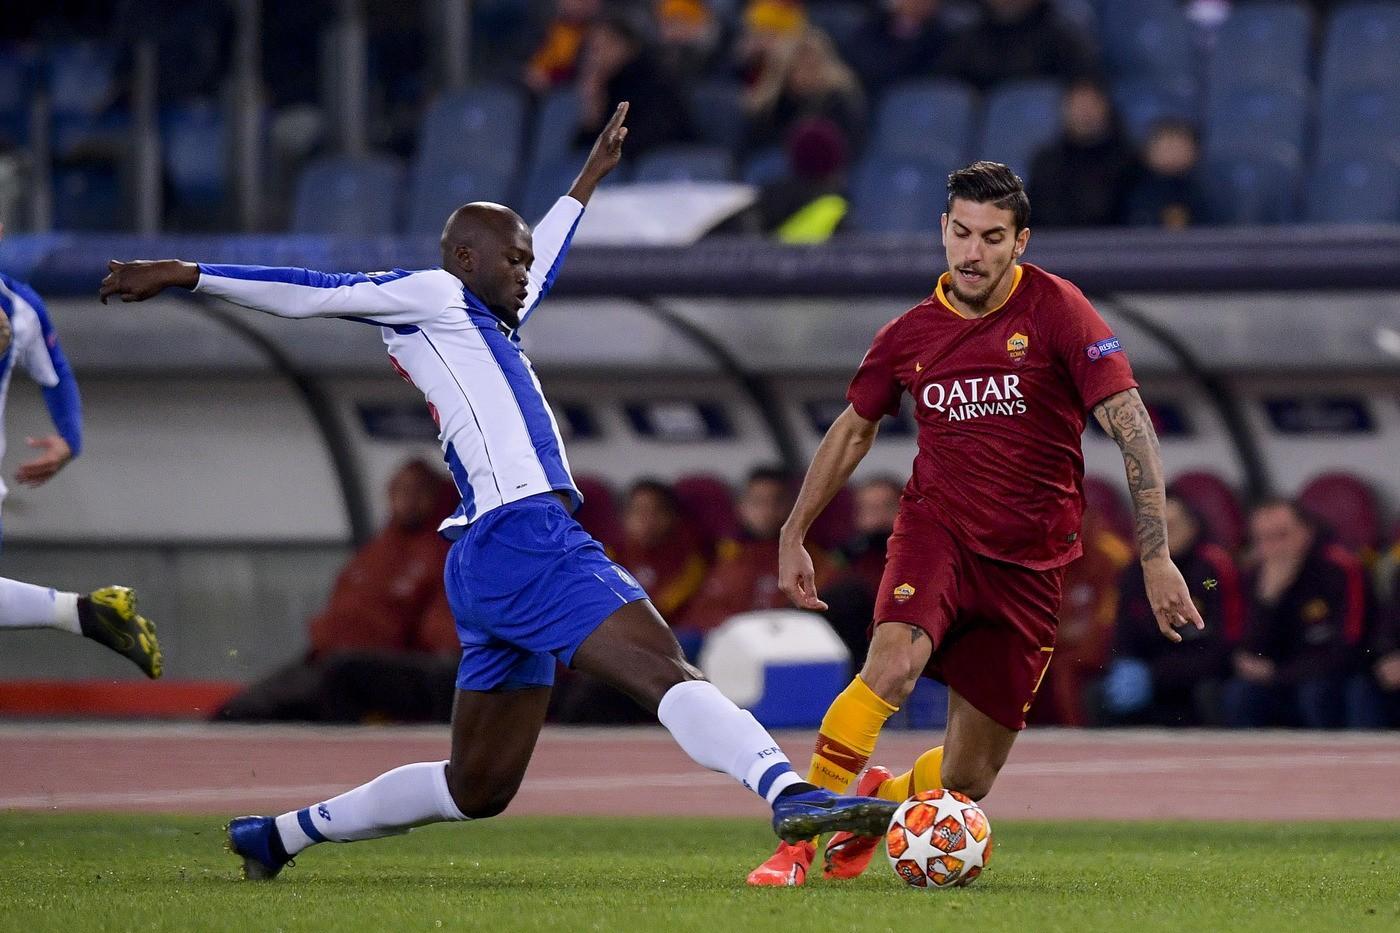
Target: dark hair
x=992, y=183
x=1303, y=516
x=657, y=488
x=887, y=480
x=771, y=474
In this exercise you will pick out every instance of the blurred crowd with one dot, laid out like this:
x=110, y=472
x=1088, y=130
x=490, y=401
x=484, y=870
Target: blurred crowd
x=1302, y=620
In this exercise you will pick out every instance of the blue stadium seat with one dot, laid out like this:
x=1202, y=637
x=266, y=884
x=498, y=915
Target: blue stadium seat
x=75, y=134
x=717, y=113
x=894, y=195
x=1147, y=39
x=1354, y=191
x=341, y=194
x=556, y=123
x=925, y=120
x=82, y=77
x=1257, y=187
x=16, y=93
x=438, y=190
x=195, y=147
x=88, y=198
x=839, y=19
x=686, y=163
x=546, y=183
x=1141, y=105
x=765, y=165
x=1359, y=122
x=482, y=128
x=1244, y=117
x=1361, y=47
x=1261, y=44
x=1020, y=119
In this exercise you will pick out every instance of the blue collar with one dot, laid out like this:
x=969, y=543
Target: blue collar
x=483, y=317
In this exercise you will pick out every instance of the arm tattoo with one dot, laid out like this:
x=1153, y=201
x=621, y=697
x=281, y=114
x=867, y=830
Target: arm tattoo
x=1125, y=419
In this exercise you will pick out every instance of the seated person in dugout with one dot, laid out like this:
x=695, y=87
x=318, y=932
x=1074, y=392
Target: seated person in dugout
x=385, y=646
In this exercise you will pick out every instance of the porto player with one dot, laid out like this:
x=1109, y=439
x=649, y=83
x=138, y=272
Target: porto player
x=1003, y=361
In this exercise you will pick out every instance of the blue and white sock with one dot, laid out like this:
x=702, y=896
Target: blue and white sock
x=722, y=737
x=389, y=805
x=24, y=605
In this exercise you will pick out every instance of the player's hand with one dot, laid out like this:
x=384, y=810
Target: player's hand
x=606, y=154
x=42, y=468
x=797, y=577
x=1169, y=597
x=142, y=279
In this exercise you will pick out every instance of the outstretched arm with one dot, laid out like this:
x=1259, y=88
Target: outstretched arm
x=38, y=350
x=396, y=297
x=1125, y=419
x=846, y=443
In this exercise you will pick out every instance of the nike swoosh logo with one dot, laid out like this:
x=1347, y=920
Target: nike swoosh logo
x=842, y=757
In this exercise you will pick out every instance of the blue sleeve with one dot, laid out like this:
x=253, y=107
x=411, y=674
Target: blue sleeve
x=64, y=404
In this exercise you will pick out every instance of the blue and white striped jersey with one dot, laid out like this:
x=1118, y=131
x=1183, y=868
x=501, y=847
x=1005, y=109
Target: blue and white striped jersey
x=34, y=345
x=499, y=437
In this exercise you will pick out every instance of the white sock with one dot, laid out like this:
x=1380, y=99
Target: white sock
x=24, y=605
x=389, y=805
x=722, y=737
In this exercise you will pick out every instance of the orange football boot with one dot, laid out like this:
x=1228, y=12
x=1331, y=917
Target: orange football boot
x=847, y=854
x=787, y=867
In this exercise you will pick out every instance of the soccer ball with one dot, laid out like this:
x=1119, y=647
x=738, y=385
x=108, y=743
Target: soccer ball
x=939, y=839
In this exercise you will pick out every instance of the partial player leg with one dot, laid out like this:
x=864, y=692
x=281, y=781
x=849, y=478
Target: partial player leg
x=107, y=616
x=634, y=651
x=493, y=737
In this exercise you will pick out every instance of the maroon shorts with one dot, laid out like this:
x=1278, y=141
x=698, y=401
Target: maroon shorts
x=992, y=623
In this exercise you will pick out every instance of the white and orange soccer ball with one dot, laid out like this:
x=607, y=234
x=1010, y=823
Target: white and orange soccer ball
x=939, y=839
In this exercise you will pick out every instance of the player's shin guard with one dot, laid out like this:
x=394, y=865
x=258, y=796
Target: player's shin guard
x=722, y=737
x=925, y=775
x=389, y=805
x=847, y=738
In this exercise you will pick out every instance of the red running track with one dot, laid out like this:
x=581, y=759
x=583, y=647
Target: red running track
x=1052, y=774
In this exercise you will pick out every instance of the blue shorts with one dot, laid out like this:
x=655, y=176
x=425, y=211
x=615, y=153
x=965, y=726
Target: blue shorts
x=527, y=585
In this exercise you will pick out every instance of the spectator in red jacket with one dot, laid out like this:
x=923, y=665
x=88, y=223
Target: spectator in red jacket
x=1154, y=681
x=1301, y=652
x=388, y=608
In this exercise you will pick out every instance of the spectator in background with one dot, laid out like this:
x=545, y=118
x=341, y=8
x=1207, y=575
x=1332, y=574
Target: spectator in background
x=554, y=63
x=1167, y=189
x=1385, y=644
x=770, y=28
x=745, y=575
x=1301, y=653
x=1017, y=40
x=808, y=204
x=387, y=615
x=1153, y=681
x=1085, y=634
x=620, y=62
x=1082, y=178
x=803, y=79
x=906, y=39
x=851, y=596
x=689, y=37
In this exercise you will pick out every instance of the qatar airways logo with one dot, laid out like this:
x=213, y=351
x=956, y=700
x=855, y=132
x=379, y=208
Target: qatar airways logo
x=976, y=397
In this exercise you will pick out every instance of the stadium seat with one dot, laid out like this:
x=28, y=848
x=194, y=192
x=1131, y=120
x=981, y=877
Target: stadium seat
x=1217, y=505
x=481, y=128
x=929, y=120
x=839, y=19
x=1238, y=118
x=835, y=526
x=196, y=151
x=341, y=194
x=88, y=198
x=1347, y=505
x=439, y=190
x=546, y=183
x=708, y=501
x=1103, y=497
x=556, y=123
x=1261, y=44
x=1252, y=187
x=1020, y=118
x=686, y=163
x=1143, y=104
x=81, y=77
x=765, y=165
x=1356, y=190
x=1147, y=39
x=717, y=114
x=1359, y=122
x=1360, y=47
x=16, y=94
x=898, y=195
x=74, y=134
x=598, y=514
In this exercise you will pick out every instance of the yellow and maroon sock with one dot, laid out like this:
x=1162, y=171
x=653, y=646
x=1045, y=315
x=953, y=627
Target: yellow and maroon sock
x=925, y=775
x=848, y=734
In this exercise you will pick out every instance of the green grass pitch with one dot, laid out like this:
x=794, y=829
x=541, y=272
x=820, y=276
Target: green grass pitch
x=79, y=872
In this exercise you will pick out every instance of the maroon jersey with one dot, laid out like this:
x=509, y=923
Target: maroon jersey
x=1001, y=403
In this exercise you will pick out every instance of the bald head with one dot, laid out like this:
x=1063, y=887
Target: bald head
x=489, y=248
